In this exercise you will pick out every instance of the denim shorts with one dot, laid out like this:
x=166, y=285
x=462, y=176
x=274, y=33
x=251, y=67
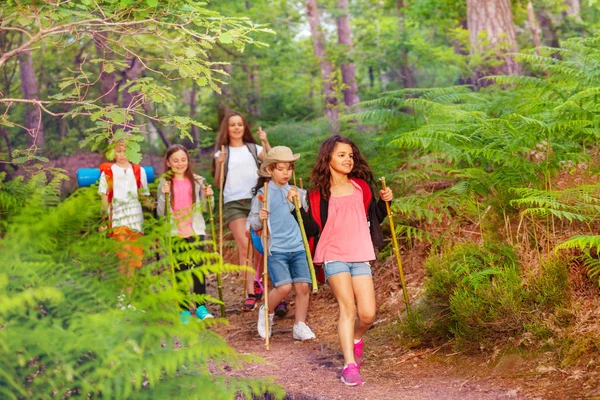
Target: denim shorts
x=288, y=267
x=353, y=268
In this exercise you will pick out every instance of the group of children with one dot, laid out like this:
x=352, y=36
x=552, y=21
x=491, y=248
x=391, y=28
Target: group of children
x=340, y=213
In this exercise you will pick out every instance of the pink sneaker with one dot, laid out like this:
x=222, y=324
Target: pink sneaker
x=351, y=375
x=358, y=352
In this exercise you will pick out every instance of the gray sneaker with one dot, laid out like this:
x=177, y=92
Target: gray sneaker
x=301, y=331
x=260, y=325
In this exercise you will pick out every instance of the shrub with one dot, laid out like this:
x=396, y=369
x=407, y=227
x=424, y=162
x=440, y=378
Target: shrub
x=478, y=294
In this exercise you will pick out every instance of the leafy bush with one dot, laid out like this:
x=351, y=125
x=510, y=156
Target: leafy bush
x=67, y=328
x=477, y=294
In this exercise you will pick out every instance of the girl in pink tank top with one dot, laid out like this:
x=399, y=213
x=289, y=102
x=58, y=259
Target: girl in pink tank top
x=350, y=220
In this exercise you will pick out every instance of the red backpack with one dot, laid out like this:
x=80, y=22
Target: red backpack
x=314, y=201
x=108, y=172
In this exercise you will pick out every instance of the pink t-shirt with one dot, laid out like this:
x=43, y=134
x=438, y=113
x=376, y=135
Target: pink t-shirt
x=346, y=234
x=183, y=207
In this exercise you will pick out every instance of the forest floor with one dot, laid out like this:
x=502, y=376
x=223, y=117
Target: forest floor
x=312, y=370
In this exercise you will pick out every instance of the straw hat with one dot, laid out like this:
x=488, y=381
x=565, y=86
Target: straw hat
x=275, y=155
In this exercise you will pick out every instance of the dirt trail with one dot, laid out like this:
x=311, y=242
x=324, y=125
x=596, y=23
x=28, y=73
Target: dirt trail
x=311, y=370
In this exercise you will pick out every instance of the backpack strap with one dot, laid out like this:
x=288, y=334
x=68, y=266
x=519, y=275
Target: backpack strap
x=137, y=172
x=314, y=205
x=366, y=192
x=108, y=173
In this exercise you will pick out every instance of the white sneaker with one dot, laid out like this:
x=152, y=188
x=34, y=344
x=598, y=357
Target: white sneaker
x=260, y=325
x=302, y=332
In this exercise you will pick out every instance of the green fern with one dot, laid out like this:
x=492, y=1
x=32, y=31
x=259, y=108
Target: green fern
x=67, y=329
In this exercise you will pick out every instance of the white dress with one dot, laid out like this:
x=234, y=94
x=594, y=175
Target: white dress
x=126, y=207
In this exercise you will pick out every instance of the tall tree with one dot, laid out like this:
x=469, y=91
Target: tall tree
x=408, y=77
x=33, y=112
x=318, y=38
x=574, y=9
x=492, y=20
x=348, y=68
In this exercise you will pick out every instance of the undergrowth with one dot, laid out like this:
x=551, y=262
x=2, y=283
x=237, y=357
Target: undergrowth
x=68, y=326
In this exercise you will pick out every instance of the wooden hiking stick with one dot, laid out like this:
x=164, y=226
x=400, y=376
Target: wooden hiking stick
x=311, y=267
x=221, y=182
x=214, y=238
x=248, y=258
x=301, y=185
x=396, y=249
x=265, y=235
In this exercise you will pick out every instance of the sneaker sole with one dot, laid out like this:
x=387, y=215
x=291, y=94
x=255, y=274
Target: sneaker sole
x=303, y=340
x=350, y=383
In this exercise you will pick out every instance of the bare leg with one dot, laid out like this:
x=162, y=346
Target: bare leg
x=302, y=300
x=364, y=293
x=238, y=229
x=341, y=284
x=277, y=294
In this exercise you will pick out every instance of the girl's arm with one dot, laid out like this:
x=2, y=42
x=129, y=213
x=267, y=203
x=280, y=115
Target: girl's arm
x=310, y=225
x=384, y=196
x=254, y=220
x=219, y=159
x=262, y=135
x=203, y=188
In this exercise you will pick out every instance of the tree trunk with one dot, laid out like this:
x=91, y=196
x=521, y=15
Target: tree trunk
x=348, y=67
x=331, y=109
x=549, y=34
x=194, y=130
x=574, y=9
x=254, y=91
x=33, y=113
x=533, y=27
x=109, y=87
x=131, y=99
x=494, y=19
x=224, y=99
x=408, y=77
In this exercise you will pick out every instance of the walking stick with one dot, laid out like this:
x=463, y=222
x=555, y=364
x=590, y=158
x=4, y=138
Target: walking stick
x=311, y=267
x=221, y=181
x=248, y=252
x=170, y=242
x=265, y=266
x=396, y=249
x=214, y=238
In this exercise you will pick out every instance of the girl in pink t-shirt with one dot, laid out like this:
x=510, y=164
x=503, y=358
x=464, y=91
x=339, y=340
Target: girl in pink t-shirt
x=187, y=193
x=350, y=219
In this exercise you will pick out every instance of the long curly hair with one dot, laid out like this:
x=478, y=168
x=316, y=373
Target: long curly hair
x=189, y=173
x=223, y=136
x=320, y=178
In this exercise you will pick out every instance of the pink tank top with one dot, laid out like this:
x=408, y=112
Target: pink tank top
x=346, y=236
x=182, y=207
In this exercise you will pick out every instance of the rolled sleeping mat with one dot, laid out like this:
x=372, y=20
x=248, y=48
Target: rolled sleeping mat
x=256, y=241
x=90, y=176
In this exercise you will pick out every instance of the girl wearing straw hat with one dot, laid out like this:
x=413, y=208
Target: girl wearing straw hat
x=287, y=262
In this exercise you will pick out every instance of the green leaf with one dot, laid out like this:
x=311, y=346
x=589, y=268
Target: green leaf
x=117, y=116
x=20, y=160
x=40, y=158
x=23, y=20
x=225, y=38
x=108, y=67
x=152, y=3
x=202, y=81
